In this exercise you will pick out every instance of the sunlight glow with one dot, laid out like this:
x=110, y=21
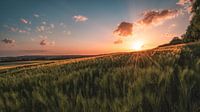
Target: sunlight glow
x=137, y=46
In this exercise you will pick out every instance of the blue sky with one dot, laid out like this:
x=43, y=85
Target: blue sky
x=68, y=36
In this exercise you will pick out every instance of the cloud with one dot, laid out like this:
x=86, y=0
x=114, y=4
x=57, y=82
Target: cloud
x=52, y=26
x=49, y=32
x=189, y=9
x=187, y=4
x=13, y=29
x=44, y=22
x=124, y=29
x=28, y=29
x=23, y=31
x=153, y=17
x=80, y=18
x=67, y=32
x=10, y=28
x=43, y=36
x=36, y=15
x=52, y=43
x=32, y=39
x=156, y=17
x=45, y=42
x=173, y=25
x=25, y=21
x=40, y=28
x=183, y=2
x=170, y=27
x=61, y=24
x=119, y=41
x=8, y=41
x=45, y=28
x=5, y=26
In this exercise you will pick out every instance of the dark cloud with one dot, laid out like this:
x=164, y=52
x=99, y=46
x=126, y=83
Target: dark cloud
x=157, y=17
x=119, y=41
x=153, y=17
x=43, y=43
x=149, y=18
x=46, y=43
x=124, y=29
x=8, y=41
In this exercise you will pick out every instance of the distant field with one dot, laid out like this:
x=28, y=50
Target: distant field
x=165, y=79
x=10, y=65
x=16, y=63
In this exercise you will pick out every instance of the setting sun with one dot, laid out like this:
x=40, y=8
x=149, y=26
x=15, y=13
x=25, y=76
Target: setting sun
x=137, y=45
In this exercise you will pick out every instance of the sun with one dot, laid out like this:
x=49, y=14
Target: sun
x=138, y=45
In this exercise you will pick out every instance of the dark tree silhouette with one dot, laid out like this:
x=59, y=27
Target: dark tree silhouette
x=193, y=30
x=176, y=40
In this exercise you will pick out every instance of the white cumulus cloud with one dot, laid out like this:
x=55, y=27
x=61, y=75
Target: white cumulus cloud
x=80, y=18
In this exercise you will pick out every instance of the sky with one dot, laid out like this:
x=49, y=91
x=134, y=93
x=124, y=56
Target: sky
x=61, y=27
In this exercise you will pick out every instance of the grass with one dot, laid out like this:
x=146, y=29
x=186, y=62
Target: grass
x=165, y=79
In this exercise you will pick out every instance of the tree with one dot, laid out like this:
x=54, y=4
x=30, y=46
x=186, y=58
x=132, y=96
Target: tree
x=193, y=30
x=176, y=40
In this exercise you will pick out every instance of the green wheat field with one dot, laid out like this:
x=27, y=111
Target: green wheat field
x=164, y=79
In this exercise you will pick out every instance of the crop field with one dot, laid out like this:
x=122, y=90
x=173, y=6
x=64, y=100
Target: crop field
x=9, y=65
x=165, y=79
